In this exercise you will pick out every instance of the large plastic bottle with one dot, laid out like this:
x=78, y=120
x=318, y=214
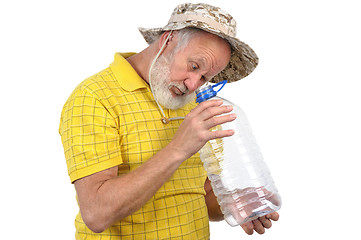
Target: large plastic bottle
x=239, y=176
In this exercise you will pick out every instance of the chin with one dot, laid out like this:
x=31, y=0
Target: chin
x=172, y=101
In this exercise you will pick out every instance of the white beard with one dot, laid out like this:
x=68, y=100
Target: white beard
x=160, y=84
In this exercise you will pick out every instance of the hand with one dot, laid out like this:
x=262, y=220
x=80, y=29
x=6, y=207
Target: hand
x=194, y=132
x=260, y=224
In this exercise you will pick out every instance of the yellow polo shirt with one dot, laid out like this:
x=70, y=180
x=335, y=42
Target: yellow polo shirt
x=111, y=119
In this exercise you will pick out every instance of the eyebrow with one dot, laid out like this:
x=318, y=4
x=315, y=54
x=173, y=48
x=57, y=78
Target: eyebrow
x=201, y=61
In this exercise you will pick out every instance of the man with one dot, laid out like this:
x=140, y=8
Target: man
x=131, y=133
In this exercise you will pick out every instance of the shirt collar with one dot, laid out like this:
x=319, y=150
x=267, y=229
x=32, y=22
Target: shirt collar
x=125, y=74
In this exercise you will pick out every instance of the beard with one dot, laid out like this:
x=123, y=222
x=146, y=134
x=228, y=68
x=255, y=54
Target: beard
x=160, y=85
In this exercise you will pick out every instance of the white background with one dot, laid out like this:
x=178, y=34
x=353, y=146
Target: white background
x=303, y=102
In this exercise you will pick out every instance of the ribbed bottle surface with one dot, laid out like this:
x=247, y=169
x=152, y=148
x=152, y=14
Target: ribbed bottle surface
x=239, y=176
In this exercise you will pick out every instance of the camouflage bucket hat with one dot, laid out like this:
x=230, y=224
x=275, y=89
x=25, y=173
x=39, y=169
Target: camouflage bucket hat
x=216, y=21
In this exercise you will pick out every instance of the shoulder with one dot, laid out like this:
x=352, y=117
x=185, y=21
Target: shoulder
x=98, y=83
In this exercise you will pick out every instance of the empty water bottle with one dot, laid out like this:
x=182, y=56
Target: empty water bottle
x=239, y=176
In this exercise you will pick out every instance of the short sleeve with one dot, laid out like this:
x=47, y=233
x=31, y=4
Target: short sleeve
x=89, y=135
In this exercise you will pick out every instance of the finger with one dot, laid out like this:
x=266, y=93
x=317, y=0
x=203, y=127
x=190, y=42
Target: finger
x=213, y=111
x=258, y=227
x=204, y=105
x=248, y=228
x=215, y=121
x=219, y=134
x=265, y=222
x=273, y=216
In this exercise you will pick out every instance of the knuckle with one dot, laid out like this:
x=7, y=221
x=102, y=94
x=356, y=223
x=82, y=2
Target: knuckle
x=209, y=104
x=204, y=104
x=214, y=121
x=217, y=134
x=225, y=108
x=202, y=137
x=210, y=111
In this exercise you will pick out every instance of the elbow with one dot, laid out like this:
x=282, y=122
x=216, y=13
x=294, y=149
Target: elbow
x=96, y=228
x=97, y=221
x=94, y=222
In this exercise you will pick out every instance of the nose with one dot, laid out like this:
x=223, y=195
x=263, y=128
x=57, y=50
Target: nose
x=193, y=82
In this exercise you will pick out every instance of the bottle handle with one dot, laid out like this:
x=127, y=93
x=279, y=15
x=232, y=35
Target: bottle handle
x=220, y=83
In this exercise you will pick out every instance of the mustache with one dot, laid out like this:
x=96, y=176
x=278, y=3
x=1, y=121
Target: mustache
x=181, y=87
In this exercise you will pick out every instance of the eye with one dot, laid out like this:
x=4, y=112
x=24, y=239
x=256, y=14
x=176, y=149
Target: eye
x=194, y=66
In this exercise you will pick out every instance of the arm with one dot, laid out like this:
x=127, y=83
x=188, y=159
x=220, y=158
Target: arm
x=105, y=198
x=214, y=210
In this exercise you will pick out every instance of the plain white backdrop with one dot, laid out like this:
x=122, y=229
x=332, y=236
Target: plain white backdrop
x=303, y=102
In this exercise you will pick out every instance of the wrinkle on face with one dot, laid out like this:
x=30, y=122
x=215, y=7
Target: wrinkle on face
x=179, y=74
x=211, y=52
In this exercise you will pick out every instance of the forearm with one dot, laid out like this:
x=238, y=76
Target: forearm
x=214, y=210
x=118, y=197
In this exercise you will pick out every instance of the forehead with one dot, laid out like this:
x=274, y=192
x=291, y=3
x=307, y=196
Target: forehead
x=209, y=49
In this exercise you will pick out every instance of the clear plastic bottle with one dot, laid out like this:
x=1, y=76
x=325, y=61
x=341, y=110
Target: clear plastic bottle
x=239, y=176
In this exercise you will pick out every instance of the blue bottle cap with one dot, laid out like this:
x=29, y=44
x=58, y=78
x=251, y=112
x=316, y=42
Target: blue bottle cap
x=207, y=92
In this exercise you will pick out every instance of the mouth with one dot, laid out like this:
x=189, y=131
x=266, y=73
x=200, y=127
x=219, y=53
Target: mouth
x=176, y=91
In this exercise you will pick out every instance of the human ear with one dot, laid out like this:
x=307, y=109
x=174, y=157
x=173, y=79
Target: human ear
x=165, y=39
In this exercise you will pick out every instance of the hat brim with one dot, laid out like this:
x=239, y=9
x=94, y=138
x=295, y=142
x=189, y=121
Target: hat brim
x=243, y=59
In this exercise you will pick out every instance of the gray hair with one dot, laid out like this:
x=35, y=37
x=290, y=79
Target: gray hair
x=184, y=36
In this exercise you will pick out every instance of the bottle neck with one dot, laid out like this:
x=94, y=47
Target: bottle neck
x=204, y=93
x=207, y=92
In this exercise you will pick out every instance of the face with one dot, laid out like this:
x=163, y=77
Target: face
x=161, y=86
x=176, y=75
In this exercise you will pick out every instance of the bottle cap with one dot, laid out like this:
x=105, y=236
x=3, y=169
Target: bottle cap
x=207, y=92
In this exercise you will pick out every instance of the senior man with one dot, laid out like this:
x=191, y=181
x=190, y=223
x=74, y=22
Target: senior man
x=131, y=133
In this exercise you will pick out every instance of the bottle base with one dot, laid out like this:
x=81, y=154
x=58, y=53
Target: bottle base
x=233, y=222
x=248, y=204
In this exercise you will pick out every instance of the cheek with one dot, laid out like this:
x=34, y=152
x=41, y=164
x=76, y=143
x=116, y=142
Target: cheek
x=175, y=76
x=178, y=74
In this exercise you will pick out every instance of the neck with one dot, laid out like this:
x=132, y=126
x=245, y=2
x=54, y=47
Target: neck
x=141, y=62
